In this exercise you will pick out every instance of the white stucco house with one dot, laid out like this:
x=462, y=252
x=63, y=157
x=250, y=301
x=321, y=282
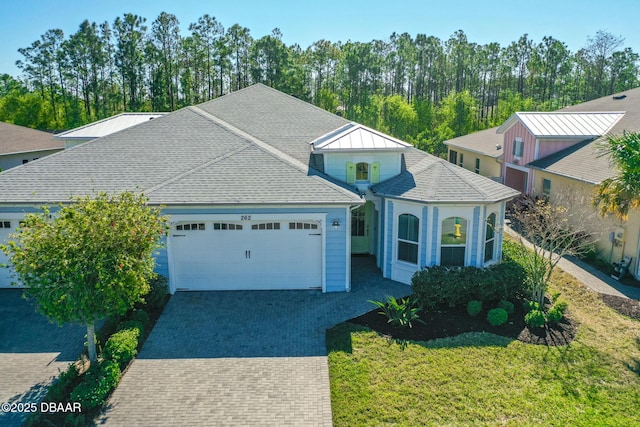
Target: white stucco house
x=265, y=191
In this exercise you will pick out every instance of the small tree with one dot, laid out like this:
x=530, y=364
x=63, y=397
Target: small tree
x=552, y=230
x=89, y=260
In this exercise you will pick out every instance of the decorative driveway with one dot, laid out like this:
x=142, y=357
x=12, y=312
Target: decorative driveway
x=32, y=352
x=234, y=358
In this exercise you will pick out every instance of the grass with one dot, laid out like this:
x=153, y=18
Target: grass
x=483, y=379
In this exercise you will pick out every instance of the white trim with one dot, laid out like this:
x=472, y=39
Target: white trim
x=460, y=212
x=537, y=150
x=348, y=251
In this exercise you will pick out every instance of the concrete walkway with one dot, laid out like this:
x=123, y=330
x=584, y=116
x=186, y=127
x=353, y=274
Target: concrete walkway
x=242, y=358
x=593, y=278
x=32, y=352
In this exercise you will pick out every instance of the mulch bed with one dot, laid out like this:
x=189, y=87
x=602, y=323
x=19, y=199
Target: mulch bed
x=449, y=322
x=625, y=306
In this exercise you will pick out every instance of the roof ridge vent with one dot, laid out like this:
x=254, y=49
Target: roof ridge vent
x=620, y=97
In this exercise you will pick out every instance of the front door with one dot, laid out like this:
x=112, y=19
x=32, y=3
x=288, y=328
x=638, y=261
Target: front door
x=360, y=220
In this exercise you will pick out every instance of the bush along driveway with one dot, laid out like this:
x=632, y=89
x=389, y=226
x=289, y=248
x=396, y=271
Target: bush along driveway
x=241, y=358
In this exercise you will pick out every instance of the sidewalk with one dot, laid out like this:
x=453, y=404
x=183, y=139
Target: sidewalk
x=590, y=276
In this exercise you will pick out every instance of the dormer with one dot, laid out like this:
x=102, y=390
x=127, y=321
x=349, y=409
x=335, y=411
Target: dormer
x=359, y=155
x=532, y=136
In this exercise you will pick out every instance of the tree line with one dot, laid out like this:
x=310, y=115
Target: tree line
x=421, y=89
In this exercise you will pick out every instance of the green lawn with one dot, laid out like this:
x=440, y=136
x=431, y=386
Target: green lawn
x=484, y=379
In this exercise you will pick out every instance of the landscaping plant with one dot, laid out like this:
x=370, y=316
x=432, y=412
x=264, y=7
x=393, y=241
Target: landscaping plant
x=474, y=307
x=497, y=316
x=399, y=312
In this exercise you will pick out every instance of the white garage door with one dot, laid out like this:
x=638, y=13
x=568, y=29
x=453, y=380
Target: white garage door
x=6, y=228
x=247, y=255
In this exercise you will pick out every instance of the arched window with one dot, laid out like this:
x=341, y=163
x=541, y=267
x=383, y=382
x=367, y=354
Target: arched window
x=490, y=238
x=453, y=241
x=408, y=230
x=362, y=171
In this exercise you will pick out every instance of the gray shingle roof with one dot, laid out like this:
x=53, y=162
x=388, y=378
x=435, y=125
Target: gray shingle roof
x=20, y=139
x=431, y=179
x=183, y=157
x=482, y=142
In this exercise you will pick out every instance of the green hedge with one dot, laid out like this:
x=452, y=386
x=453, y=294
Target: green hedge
x=122, y=346
x=96, y=385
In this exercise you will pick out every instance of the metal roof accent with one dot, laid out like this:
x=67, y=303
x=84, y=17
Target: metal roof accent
x=356, y=137
x=108, y=126
x=564, y=124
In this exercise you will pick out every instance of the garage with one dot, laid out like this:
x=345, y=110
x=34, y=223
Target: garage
x=246, y=254
x=7, y=226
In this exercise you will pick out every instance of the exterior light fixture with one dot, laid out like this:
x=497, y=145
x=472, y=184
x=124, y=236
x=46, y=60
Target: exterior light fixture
x=336, y=224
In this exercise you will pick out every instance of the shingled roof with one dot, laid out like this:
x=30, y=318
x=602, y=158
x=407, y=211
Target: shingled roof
x=248, y=147
x=20, y=139
x=431, y=179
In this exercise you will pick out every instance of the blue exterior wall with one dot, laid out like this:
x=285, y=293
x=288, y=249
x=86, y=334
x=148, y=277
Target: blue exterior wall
x=435, y=241
x=475, y=239
x=388, y=230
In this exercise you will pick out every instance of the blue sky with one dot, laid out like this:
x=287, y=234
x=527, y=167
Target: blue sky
x=303, y=22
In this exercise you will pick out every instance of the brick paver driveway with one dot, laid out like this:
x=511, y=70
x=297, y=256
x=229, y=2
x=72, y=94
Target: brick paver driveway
x=241, y=358
x=32, y=351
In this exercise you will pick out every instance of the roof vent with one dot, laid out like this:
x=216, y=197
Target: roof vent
x=620, y=97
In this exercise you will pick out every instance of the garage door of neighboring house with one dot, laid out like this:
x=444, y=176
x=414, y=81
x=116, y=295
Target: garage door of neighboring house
x=516, y=179
x=246, y=255
x=6, y=227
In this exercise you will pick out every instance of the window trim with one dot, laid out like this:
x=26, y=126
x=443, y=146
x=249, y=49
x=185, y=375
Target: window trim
x=492, y=239
x=546, y=189
x=477, y=165
x=407, y=240
x=518, y=148
x=366, y=173
x=454, y=245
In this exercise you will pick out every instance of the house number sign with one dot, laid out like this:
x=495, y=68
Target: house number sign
x=245, y=217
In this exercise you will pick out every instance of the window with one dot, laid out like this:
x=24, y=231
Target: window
x=518, y=148
x=358, y=222
x=453, y=241
x=546, y=187
x=199, y=226
x=453, y=157
x=461, y=164
x=5, y=224
x=362, y=172
x=226, y=226
x=266, y=226
x=490, y=238
x=302, y=226
x=477, y=166
x=408, y=228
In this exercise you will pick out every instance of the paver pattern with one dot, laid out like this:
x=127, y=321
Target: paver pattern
x=32, y=352
x=242, y=358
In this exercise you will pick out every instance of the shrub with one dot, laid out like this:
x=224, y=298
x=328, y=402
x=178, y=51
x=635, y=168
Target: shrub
x=96, y=384
x=530, y=306
x=61, y=387
x=455, y=286
x=535, y=319
x=399, y=313
x=506, y=306
x=158, y=290
x=561, y=306
x=122, y=346
x=131, y=324
x=474, y=307
x=497, y=316
x=142, y=317
x=554, y=315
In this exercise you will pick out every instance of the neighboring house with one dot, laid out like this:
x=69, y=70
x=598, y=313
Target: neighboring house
x=104, y=127
x=265, y=191
x=546, y=153
x=479, y=152
x=19, y=145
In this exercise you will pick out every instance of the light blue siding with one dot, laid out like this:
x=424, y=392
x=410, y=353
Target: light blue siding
x=422, y=262
x=477, y=233
x=435, y=238
x=389, y=233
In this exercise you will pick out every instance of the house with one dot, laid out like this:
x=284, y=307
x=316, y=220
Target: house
x=480, y=152
x=265, y=191
x=547, y=153
x=19, y=144
x=104, y=127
